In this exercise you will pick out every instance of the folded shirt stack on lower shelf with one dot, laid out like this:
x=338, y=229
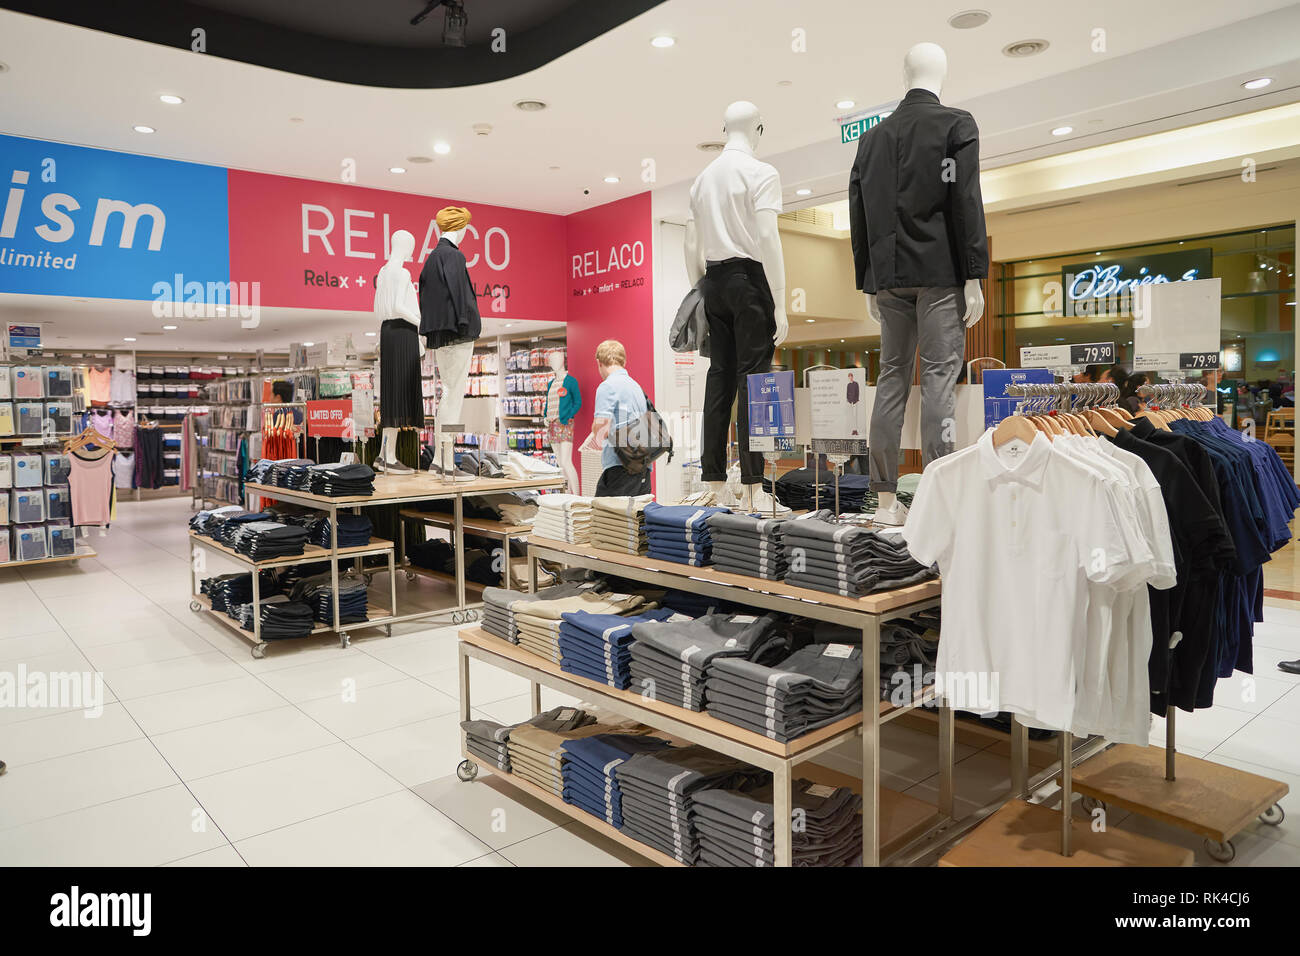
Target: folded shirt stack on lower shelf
x=816, y=685
x=564, y=518
x=670, y=659
x=657, y=791
x=229, y=591
x=269, y=540
x=538, y=622
x=488, y=740
x=735, y=827
x=598, y=646
x=680, y=533
x=353, y=531
x=281, y=618
x=908, y=652
x=587, y=769
x=537, y=753
x=338, y=480
x=318, y=593
x=618, y=524
x=847, y=559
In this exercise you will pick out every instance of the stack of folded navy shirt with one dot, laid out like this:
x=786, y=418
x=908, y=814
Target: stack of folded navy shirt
x=318, y=592
x=816, y=685
x=598, y=646
x=339, y=480
x=288, y=473
x=225, y=529
x=736, y=827
x=268, y=540
x=207, y=521
x=587, y=769
x=657, y=791
x=281, y=618
x=229, y=591
x=670, y=658
x=680, y=533
x=847, y=559
x=353, y=531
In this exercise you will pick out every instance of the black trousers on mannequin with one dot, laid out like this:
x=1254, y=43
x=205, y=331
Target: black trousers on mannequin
x=742, y=321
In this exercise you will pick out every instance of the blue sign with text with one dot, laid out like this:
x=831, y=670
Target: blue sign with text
x=771, y=411
x=997, y=404
x=90, y=222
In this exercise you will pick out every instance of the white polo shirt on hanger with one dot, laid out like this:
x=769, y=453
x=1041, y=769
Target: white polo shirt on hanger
x=726, y=199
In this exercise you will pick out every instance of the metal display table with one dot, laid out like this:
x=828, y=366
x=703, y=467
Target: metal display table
x=891, y=822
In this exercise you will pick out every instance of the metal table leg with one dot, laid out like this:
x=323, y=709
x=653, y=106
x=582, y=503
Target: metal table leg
x=1019, y=760
x=334, y=571
x=458, y=540
x=392, y=589
x=871, y=742
x=946, y=747
x=258, y=647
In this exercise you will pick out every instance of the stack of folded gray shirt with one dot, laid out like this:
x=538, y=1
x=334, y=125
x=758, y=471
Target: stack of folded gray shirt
x=848, y=560
x=658, y=788
x=814, y=686
x=498, y=604
x=487, y=740
x=908, y=651
x=745, y=544
x=670, y=658
x=735, y=827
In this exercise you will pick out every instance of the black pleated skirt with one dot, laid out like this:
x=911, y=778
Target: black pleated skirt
x=401, y=404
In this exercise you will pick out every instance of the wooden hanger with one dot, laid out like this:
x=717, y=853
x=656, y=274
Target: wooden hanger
x=89, y=436
x=1012, y=428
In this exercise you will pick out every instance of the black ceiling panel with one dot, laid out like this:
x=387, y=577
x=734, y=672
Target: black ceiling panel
x=366, y=42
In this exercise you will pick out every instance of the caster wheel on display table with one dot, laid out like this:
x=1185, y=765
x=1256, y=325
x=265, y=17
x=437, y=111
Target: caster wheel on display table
x=457, y=617
x=388, y=630
x=1090, y=804
x=410, y=575
x=259, y=651
x=369, y=578
x=345, y=639
x=467, y=770
x=1221, y=852
x=195, y=606
x=1273, y=816
x=471, y=615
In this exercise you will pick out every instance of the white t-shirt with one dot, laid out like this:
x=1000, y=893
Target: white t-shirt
x=395, y=295
x=725, y=201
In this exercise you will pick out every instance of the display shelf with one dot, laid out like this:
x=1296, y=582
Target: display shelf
x=503, y=531
x=1026, y=834
x=432, y=574
x=375, y=617
x=408, y=489
x=311, y=552
x=87, y=553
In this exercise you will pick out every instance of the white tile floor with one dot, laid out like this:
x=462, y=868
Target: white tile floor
x=203, y=756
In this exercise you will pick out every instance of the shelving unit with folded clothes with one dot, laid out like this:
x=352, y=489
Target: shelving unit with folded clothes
x=36, y=507
x=312, y=553
x=893, y=823
x=502, y=533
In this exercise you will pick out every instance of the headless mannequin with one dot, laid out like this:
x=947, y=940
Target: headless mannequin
x=395, y=298
x=741, y=123
x=453, y=389
x=564, y=449
x=925, y=67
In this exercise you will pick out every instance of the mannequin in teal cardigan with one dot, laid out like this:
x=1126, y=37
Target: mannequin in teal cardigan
x=563, y=399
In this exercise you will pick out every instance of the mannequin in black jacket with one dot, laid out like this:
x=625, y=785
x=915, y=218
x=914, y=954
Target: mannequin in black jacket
x=920, y=250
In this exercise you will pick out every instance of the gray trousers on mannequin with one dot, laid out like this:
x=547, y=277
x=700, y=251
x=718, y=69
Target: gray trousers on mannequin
x=928, y=321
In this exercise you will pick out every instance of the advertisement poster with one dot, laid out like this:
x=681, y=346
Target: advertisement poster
x=840, y=419
x=771, y=411
x=330, y=418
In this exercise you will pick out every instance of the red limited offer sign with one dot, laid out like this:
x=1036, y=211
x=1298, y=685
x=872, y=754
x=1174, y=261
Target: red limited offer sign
x=330, y=419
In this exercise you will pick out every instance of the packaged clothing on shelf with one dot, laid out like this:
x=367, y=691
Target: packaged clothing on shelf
x=6, y=471
x=56, y=468
x=736, y=827
x=27, y=504
x=7, y=424
x=28, y=383
x=6, y=555
x=680, y=533
x=58, y=381
x=58, y=503
x=59, y=415
x=29, y=418
x=28, y=470
x=4, y=507
x=29, y=542
x=848, y=560
x=61, y=539
x=587, y=768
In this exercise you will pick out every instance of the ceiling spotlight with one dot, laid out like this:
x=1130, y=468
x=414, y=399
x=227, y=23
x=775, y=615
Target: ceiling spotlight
x=171, y=99
x=1024, y=48
x=1063, y=131
x=969, y=19
x=530, y=106
x=308, y=344
x=662, y=42
x=441, y=148
x=143, y=129
x=1258, y=83
x=810, y=320
x=803, y=192
x=170, y=328
x=295, y=119
x=611, y=179
x=845, y=105
x=128, y=338
x=371, y=335
x=397, y=169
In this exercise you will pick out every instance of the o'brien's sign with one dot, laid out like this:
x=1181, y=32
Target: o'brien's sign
x=1106, y=286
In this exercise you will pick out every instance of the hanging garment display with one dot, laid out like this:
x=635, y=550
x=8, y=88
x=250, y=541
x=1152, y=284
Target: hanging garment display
x=90, y=480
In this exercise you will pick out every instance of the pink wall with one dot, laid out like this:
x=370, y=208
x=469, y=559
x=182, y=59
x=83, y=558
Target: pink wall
x=609, y=279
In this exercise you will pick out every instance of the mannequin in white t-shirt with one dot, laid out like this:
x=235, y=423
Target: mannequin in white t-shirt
x=395, y=298
x=733, y=256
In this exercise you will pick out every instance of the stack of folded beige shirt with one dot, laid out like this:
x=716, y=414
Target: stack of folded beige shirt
x=564, y=518
x=536, y=754
x=618, y=524
x=538, y=622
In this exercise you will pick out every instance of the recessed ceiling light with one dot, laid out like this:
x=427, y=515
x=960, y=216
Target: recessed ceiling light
x=711, y=147
x=1258, y=83
x=530, y=106
x=442, y=149
x=1063, y=131
x=128, y=338
x=803, y=192
x=845, y=105
x=509, y=324
x=810, y=320
x=371, y=334
x=1098, y=253
x=143, y=129
x=397, y=169
x=170, y=328
x=308, y=344
x=785, y=82
x=969, y=19
x=611, y=179
x=841, y=340
x=662, y=42
x=171, y=99
x=1023, y=48
x=419, y=159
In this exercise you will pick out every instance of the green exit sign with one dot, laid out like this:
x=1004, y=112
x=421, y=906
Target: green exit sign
x=853, y=129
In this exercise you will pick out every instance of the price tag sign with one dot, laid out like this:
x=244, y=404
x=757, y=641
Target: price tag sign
x=1198, y=360
x=1095, y=353
x=1061, y=356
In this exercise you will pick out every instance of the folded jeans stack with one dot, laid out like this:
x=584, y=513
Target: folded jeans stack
x=736, y=827
x=658, y=789
x=281, y=618
x=814, y=686
x=338, y=480
x=228, y=591
x=538, y=622
x=848, y=560
x=564, y=518
x=318, y=592
x=226, y=530
x=268, y=540
x=587, y=768
x=618, y=524
x=680, y=533
x=353, y=531
x=670, y=659
x=288, y=473
x=598, y=646
x=488, y=741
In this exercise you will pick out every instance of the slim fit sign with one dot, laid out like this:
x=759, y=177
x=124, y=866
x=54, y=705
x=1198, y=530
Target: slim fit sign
x=771, y=411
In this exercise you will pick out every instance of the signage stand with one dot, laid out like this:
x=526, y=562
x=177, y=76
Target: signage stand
x=837, y=462
x=772, y=457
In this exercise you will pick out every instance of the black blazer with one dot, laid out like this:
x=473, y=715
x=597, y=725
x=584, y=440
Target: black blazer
x=915, y=210
x=448, y=306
